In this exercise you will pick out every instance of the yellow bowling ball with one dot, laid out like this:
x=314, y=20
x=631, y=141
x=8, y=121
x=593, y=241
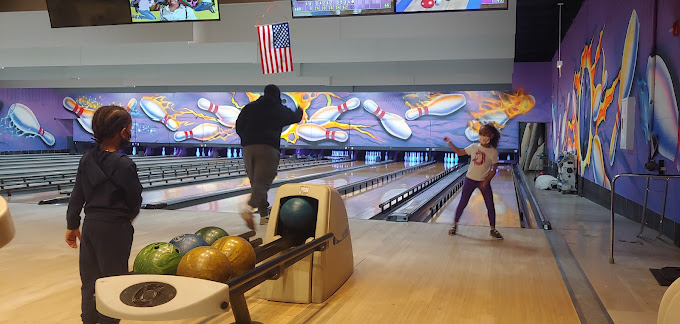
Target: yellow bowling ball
x=205, y=262
x=240, y=253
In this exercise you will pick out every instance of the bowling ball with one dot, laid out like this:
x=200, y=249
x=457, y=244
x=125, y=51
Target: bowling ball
x=186, y=242
x=211, y=233
x=288, y=101
x=240, y=253
x=298, y=215
x=205, y=262
x=427, y=3
x=157, y=258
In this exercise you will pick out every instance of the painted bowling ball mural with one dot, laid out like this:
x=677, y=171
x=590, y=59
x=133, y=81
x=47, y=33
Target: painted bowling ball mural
x=240, y=253
x=157, y=258
x=207, y=263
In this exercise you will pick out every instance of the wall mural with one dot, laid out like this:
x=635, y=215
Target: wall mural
x=617, y=62
x=391, y=119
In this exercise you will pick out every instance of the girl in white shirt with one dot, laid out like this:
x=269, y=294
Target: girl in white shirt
x=175, y=11
x=483, y=165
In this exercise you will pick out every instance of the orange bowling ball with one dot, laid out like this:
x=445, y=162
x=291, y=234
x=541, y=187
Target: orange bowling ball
x=205, y=262
x=240, y=253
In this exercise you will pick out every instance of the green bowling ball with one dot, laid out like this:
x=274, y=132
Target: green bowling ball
x=211, y=234
x=157, y=258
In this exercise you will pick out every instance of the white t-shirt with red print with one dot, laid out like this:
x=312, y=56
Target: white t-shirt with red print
x=481, y=160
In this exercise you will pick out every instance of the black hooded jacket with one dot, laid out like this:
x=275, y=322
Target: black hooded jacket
x=261, y=121
x=107, y=186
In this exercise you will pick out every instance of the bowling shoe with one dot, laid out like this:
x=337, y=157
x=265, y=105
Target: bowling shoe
x=495, y=234
x=452, y=230
x=247, y=215
x=264, y=220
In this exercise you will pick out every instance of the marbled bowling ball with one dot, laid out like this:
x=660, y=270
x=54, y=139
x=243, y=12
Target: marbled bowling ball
x=298, y=215
x=205, y=262
x=240, y=253
x=187, y=242
x=157, y=258
x=211, y=234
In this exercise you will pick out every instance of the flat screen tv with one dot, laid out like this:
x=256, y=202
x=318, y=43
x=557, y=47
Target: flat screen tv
x=326, y=8
x=406, y=6
x=79, y=13
x=151, y=11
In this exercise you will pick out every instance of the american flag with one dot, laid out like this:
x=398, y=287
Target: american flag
x=275, y=53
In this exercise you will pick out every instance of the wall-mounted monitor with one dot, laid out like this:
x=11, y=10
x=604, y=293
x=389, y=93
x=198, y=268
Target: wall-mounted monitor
x=406, y=6
x=326, y=8
x=151, y=11
x=79, y=13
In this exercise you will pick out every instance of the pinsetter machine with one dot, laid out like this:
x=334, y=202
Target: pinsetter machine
x=298, y=266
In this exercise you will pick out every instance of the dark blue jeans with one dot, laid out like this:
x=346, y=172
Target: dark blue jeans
x=202, y=6
x=468, y=187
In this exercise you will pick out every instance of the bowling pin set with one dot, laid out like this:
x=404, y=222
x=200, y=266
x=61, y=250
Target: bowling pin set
x=416, y=157
x=340, y=154
x=374, y=156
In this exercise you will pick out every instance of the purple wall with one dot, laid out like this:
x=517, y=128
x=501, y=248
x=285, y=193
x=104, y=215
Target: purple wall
x=607, y=54
x=534, y=78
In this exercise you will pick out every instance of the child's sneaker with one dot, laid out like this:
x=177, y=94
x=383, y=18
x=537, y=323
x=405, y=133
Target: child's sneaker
x=495, y=234
x=452, y=230
x=247, y=215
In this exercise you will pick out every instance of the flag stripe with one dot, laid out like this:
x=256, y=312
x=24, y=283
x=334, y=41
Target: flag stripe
x=275, y=49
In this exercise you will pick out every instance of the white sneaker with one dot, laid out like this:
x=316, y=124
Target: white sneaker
x=247, y=215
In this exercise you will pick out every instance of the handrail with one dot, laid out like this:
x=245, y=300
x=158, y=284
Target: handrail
x=665, y=177
x=392, y=202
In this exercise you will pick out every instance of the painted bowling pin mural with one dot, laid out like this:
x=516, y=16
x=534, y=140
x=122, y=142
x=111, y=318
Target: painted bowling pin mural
x=22, y=119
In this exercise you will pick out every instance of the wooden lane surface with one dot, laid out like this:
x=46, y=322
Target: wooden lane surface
x=234, y=204
x=404, y=273
x=507, y=212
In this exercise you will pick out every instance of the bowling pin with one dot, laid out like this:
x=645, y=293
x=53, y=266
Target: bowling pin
x=134, y=150
x=427, y=157
x=315, y=133
x=240, y=153
x=23, y=118
x=229, y=153
x=198, y=152
x=84, y=114
x=393, y=124
x=163, y=153
x=157, y=113
x=203, y=132
x=441, y=106
x=132, y=105
x=331, y=113
x=226, y=115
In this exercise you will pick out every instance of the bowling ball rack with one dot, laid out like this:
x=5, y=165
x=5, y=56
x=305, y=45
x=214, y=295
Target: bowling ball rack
x=238, y=286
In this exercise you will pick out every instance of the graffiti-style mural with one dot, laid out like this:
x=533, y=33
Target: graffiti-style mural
x=417, y=119
x=609, y=56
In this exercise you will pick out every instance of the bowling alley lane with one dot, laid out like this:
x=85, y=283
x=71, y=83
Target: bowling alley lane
x=507, y=212
x=234, y=203
x=364, y=205
x=161, y=195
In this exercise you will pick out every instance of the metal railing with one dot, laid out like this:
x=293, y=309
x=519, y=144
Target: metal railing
x=649, y=177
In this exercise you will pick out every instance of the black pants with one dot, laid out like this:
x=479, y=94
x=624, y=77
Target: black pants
x=104, y=252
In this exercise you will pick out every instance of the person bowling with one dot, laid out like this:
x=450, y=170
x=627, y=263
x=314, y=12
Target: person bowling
x=108, y=187
x=483, y=165
x=259, y=126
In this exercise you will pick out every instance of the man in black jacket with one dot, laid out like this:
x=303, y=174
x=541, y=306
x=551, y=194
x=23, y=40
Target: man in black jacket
x=259, y=125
